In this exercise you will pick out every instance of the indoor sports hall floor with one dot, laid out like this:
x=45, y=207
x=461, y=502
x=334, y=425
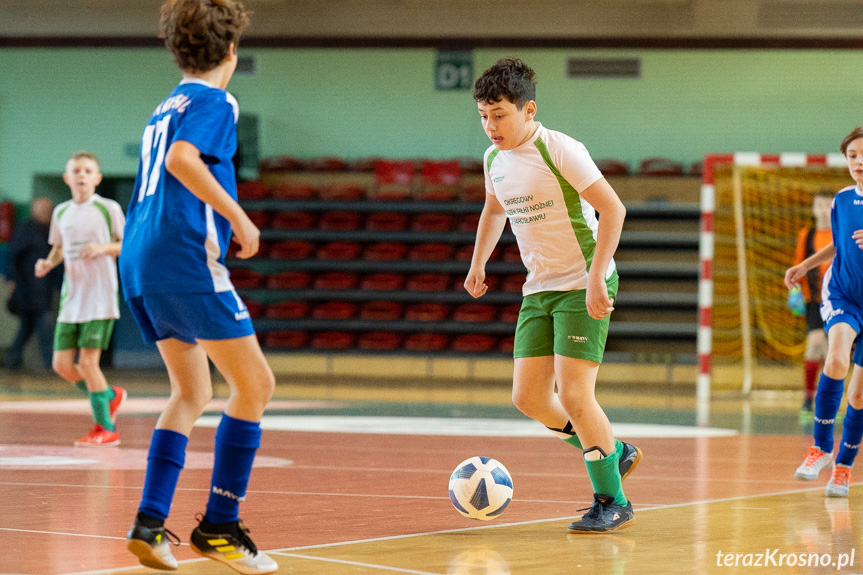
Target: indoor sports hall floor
x=352, y=478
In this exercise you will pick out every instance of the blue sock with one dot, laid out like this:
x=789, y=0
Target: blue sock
x=164, y=463
x=852, y=434
x=237, y=440
x=827, y=402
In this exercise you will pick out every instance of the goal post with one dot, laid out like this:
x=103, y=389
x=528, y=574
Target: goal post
x=752, y=209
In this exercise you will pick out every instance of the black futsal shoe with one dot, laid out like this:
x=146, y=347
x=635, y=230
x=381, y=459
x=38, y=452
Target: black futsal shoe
x=152, y=545
x=604, y=516
x=629, y=459
x=229, y=543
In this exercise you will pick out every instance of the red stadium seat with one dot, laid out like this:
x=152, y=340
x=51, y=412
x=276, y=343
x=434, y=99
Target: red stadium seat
x=385, y=251
x=340, y=221
x=660, y=167
x=512, y=254
x=244, y=278
x=256, y=308
x=394, y=172
x=325, y=164
x=428, y=282
x=335, y=310
x=469, y=223
x=426, y=342
x=474, y=312
x=393, y=180
x=286, y=339
x=465, y=253
x=293, y=221
x=387, y=222
x=427, y=312
x=473, y=193
x=251, y=191
x=473, y=343
x=339, y=251
x=379, y=341
x=433, y=223
x=430, y=252
x=510, y=313
x=470, y=165
x=364, y=164
x=337, y=281
x=383, y=282
x=445, y=173
x=342, y=193
x=381, y=310
x=696, y=169
x=280, y=164
x=294, y=191
x=334, y=340
x=291, y=250
x=287, y=310
x=260, y=219
x=289, y=280
x=507, y=344
x=514, y=283
x=611, y=167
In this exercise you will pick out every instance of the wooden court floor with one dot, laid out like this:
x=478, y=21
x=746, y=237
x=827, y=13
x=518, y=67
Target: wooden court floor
x=360, y=487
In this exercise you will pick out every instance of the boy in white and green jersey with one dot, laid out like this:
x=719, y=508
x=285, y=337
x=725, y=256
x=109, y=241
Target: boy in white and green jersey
x=85, y=235
x=548, y=187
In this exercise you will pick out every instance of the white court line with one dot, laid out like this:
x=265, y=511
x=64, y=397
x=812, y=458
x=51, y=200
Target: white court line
x=358, y=564
x=286, y=551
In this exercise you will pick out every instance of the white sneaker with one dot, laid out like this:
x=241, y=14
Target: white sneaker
x=815, y=461
x=839, y=481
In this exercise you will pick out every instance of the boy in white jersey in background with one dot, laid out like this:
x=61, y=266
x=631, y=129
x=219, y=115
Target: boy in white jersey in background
x=180, y=219
x=842, y=313
x=85, y=235
x=547, y=185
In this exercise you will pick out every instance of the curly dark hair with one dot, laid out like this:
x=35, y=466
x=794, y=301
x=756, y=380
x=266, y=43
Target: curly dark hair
x=198, y=32
x=509, y=78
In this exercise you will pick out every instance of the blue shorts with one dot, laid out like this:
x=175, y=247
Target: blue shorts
x=191, y=316
x=839, y=310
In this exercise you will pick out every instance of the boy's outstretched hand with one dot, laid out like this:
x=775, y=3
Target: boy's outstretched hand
x=597, y=301
x=43, y=266
x=794, y=275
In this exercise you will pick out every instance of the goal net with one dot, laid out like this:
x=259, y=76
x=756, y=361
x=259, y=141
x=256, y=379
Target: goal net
x=760, y=208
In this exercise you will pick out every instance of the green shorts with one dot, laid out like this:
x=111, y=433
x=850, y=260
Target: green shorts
x=557, y=322
x=94, y=334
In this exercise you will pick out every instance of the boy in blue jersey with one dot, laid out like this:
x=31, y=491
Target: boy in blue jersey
x=179, y=223
x=842, y=313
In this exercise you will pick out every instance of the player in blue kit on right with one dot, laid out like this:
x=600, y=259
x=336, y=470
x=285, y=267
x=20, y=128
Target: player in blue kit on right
x=842, y=313
x=178, y=227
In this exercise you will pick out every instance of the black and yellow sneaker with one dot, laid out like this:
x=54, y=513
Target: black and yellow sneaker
x=152, y=545
x=629, y=459
x=229, y=543
x=605, y=515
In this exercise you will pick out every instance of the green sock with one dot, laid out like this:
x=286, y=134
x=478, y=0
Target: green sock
x=82, y=385
x=99, y=400
x=574, y=441
x=605, y=476
x=618, y=448
x=567, y=434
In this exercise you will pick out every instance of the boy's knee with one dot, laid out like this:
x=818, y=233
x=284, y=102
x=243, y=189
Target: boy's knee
x=835, y=366
x=64, y=368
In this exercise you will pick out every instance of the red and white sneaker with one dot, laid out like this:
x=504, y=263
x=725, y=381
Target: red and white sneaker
x=114, y=405
x=99, y=437
x=815, y=461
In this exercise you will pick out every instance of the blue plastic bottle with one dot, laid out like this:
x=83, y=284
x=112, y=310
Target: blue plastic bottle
x=796, y=301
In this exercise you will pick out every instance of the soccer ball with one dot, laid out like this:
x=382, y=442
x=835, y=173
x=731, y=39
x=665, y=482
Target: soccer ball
x=480, y=488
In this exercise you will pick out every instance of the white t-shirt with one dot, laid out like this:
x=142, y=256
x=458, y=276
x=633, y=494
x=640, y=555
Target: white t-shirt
x=538, y=185
x=89, y=286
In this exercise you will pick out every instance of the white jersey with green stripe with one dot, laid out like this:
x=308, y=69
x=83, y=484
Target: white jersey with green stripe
x=89, y=286
x=539, y=184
